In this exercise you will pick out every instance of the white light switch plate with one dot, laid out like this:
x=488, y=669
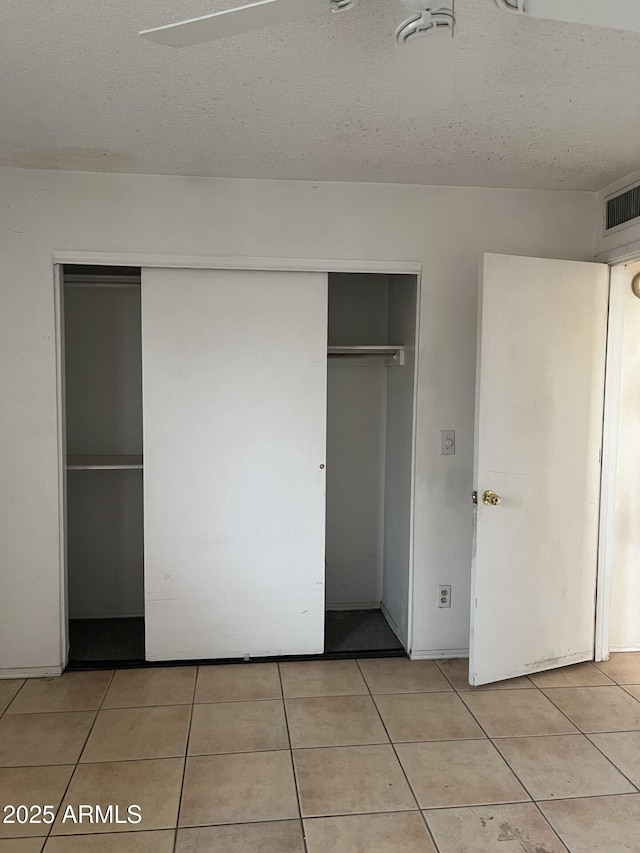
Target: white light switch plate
x=447, y=442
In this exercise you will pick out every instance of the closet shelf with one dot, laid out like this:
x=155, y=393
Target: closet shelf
x=388, y=353
x=102, y=463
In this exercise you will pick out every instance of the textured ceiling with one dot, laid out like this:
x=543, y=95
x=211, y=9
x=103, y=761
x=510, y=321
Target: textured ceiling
x=537, y=105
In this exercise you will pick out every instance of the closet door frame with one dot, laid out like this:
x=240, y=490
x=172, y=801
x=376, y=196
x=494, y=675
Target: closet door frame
x=58, y=295
x=172, y=261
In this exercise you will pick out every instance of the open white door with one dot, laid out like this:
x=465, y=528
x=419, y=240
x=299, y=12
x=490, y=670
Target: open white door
x=539, y=408
x=234, y=391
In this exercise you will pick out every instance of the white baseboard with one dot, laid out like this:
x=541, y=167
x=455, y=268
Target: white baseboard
x=633, y=647
x=436, y=654
x=31, y=672
x=353, y=605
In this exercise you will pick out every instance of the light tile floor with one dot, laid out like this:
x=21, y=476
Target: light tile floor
x=358, y=756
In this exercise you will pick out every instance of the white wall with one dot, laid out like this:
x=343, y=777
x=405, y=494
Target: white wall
x=356, y=416
x=625, y=589
x=444, y=228
x=403, y=297
x=358, y=309
x=103, y=357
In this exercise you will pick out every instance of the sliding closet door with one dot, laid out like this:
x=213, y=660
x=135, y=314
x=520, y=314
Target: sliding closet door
x=234, y=393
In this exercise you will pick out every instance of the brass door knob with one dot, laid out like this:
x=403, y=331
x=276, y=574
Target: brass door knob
x=490, y=498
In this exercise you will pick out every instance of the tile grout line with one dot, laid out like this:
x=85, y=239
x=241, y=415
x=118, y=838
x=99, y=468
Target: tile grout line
x=86, y=710
x=599, y=664
x=467, y=740
x=397, y=757
x=82, y=710
x=553, y=829
x=578, y=733
x=458, y=692
x=476, y=738
x=541, y=691
x=585, y=735
x=293, y=764
x=587, y=797
x=14, y=697
x=613, y=764
x=186, y=754
x=77, y=762
x=442, y=672
x=574, y=687
x=491, y=740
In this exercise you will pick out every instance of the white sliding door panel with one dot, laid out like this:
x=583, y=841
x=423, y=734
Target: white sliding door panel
x=539, y=409
x=234, y=388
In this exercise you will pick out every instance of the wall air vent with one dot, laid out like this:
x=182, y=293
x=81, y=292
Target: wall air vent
x=622, y=209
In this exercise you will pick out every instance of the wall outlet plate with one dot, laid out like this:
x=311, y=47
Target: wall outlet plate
x=444, y=596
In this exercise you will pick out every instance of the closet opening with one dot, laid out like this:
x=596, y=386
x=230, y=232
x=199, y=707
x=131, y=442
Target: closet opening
x=369, y=487
x=207, y=507
x=101, y=318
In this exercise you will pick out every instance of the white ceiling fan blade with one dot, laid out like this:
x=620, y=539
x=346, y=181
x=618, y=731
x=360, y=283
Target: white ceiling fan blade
x=425, y=73
x=610, y=14
x=233, y=22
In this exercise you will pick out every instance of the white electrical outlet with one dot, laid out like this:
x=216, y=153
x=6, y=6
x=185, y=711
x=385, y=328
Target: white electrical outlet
x=444, y=596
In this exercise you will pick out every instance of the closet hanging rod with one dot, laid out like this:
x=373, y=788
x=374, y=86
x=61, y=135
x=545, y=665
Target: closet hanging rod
x=80, y=280
x=391, y=354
